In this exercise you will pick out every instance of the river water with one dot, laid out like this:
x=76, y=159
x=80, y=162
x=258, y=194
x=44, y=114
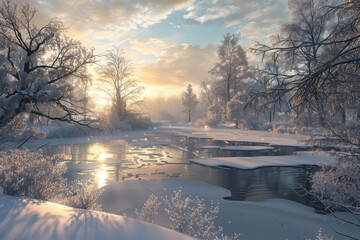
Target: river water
x=168, y=157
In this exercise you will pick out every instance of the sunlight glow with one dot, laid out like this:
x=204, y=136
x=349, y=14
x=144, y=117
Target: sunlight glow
x=97, y=151
x=101, y=176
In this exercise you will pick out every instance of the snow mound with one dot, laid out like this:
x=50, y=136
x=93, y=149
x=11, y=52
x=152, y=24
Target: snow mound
x=268, y=220
x=25, y=218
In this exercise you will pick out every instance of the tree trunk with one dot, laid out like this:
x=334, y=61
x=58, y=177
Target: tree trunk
x=189, y=116
x=270, y=116
x=309, y=119
x=228, y=90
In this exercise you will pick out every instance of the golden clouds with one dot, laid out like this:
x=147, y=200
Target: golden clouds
x=179, y=65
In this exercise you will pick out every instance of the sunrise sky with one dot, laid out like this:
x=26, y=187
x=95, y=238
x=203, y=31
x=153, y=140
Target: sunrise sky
x=170, y=42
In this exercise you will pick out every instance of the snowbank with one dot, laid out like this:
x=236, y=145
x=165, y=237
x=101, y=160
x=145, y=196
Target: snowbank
x=303, y=158
x=232, y=134
x=24, y=218
x=238, y=148
x=268, y=220
x=224, y=134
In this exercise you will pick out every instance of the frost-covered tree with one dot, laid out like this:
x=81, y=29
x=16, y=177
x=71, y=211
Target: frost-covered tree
x=231, y=69
x=119, y=83
x=189, y=101
x=39, y=66
x=319, y=62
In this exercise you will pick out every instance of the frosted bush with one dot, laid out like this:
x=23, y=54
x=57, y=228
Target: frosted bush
x=245, y=118
x=110, y=123
x=61, y=130
x=235, y=110
x=339, y=185
x=84, y=196
x=252, y=121
x=26, y=173
x=150, y=209
x=200, y=123
x=319, y=236
x=190, y=216
x=214, y=115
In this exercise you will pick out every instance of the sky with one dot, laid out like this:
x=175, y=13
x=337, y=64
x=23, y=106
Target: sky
x=170, y=42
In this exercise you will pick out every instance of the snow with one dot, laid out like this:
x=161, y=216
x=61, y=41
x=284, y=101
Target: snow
x=25, y=218
x=221, y=133
x=246, y=148
x=231, y=134
x=237, y=148
x=268, y=220
x=303, y=158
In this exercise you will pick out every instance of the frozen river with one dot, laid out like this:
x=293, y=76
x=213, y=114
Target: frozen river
x=157, y=157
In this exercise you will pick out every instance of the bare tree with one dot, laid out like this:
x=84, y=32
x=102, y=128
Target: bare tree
x=319, y=55
x=189, y=101
x=119, y=83
x=39, y=67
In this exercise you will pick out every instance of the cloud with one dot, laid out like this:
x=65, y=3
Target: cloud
x=268, y=24
x=228, y=12
x=96, y=16
x=149, y=46
x=179, y=65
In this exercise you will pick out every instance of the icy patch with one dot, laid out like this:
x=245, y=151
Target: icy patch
x=246, y=148
x=303, y=158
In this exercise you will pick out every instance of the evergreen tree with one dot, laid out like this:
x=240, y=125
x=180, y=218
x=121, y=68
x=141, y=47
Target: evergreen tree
x=189, y=100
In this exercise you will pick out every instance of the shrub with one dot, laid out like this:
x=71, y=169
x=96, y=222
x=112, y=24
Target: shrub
x=110, y=123
x=319, y=236
x=214, y=115
x=338, y=185
x=150, y=209
x=187, y=215
x=26, y=173
x=63, y=130
x=190, y=216
x=84, y=196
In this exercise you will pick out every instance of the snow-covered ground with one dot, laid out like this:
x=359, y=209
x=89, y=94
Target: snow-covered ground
x=25, y=218
x=303, y=158
x=271, y=219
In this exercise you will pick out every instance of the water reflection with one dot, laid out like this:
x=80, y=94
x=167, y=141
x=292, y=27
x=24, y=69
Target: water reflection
x=101, y=176
x=121, y=161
